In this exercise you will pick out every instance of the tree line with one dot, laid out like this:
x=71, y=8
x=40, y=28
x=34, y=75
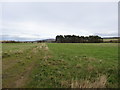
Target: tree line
x=78, y=39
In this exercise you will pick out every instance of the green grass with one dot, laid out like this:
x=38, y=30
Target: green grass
x=61, y=65
x=110, y=39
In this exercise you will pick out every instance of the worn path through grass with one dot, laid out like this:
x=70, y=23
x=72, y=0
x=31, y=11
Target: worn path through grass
x=18, y=66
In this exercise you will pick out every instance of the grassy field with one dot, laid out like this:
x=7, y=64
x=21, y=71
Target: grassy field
x=108, y=40
x=60, y=65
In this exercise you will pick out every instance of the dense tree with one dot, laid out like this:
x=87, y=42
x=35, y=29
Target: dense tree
x=78, y=39
x=59, y=39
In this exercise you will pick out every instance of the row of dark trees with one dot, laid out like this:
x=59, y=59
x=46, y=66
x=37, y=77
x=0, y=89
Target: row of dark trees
x=10, y=41
x=78, y=39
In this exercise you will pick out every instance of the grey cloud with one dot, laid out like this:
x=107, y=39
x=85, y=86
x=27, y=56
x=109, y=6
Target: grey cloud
x=69, y=17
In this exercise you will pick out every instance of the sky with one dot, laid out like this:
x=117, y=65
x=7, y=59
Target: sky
x=42, y=20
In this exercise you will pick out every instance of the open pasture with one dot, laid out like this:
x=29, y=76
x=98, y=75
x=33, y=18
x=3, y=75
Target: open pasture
x=60, y=65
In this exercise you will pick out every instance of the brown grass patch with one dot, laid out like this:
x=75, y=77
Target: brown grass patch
x=90, y=68
x=100, y=82
x=78, y=66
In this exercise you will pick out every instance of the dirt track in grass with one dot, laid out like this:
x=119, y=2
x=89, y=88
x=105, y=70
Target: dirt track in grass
x=21, y=65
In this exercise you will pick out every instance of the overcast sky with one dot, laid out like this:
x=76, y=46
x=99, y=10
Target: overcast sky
x=39, y=20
